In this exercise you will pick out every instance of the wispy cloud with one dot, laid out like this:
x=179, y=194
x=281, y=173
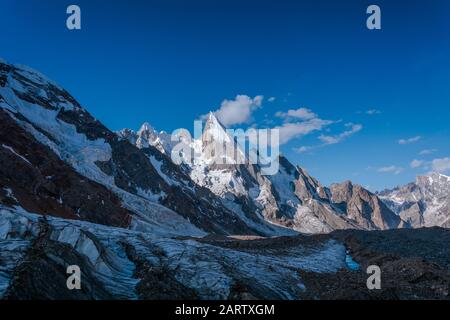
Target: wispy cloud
x=298, y=123
x=372, y=112
x=391, y=169
x=301, y=113
x=302, y=149
x=239, y=110
x=416, y=163
x=441, y=165
x=332, y=139
x=409, y=140
x=427, y=151
x=302, y=121
x=291, y=130
x=271, y=99
x=353, y=128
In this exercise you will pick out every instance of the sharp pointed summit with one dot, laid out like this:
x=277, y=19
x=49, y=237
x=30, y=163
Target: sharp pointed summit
x=211, y=116
x=213, y=123
x=146, y=127
x=214, y=132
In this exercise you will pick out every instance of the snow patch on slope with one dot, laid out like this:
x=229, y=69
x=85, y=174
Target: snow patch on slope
x=16, y=154
x=71, y=146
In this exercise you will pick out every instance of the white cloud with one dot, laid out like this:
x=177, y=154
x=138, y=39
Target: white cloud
x=427, y=151
x=372, y=112
x=301, y=113
x=303, y=121
x=239, y=110
x=327, y=139
x=410, y=140
x=354, y=128
x=441, y=165
x=416, y=163
x=302, y=149
x=271, y=99
x=289, y=130
x=391, y=169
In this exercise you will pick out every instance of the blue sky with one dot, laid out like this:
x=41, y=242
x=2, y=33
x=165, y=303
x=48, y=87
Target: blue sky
x=169, y=62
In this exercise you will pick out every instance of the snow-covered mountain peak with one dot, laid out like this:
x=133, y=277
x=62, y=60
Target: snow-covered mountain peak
x=127, y=134
x=148, y=136
x=212, y=119
x=146, y=128
x=432, y=178
x=35, y=75
x=31, y=76
x=33, y=87
x=215, y=131
x=217, y=146
x=425, y=202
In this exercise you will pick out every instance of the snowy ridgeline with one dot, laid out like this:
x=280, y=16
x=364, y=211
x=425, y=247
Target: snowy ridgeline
x=209, y=270
x=70, y=145
x=425, y=202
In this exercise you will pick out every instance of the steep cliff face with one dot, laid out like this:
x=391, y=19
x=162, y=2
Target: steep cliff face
x=364, y=207
x=37, y=180
x=425, y=202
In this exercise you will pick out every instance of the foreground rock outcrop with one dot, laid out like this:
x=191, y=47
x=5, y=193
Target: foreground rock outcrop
x=121, y=264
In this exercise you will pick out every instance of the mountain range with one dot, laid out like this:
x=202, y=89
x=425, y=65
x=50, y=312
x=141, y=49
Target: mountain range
x=423, y=203
x=291, y=198
x=74, y=192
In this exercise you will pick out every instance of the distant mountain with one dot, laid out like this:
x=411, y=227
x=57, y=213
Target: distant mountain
x=364, y=207
x=423, y=203
x=147, y=136
x=291, y=198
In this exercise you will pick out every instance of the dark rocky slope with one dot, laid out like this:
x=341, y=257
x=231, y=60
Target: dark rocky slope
x=40, y=182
